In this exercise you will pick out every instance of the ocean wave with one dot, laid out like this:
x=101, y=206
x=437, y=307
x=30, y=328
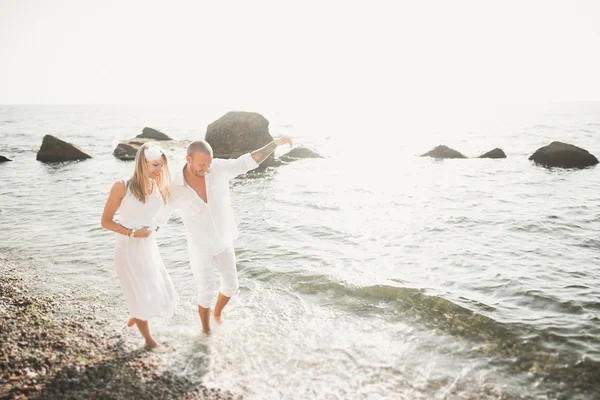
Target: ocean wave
x=516, y=346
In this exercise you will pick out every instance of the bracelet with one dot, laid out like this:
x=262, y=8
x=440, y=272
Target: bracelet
x=131, y=234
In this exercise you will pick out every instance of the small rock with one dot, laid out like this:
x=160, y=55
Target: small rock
x=298, y=153
x=126, y=151
x=150, y=133
x=4, y=159
x=30, y=374
x=496, y=153
x=443, y=152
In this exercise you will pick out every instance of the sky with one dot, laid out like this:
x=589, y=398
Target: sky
x=311, y=54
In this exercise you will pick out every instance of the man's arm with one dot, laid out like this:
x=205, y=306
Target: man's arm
x=261, y=155
x=248, y=161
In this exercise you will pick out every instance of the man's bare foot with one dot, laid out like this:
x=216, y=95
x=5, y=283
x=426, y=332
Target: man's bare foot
x=151, y=344
x=218, y=319
x=131, y=322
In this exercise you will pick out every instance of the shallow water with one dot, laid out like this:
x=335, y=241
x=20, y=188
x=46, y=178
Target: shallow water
x=370, y=273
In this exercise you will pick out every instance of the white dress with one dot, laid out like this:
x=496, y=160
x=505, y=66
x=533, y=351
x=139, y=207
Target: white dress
x=143, y=277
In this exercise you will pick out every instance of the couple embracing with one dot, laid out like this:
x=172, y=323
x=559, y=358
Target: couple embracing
x=199, y=192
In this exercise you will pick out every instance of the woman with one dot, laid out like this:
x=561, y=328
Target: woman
x=143, y=277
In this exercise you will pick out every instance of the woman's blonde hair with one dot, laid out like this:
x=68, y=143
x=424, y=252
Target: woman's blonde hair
x=139, y=183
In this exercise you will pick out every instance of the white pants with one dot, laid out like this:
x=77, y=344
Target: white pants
x=205, y=270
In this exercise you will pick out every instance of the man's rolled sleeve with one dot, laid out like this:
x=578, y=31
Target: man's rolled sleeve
x=241, y=165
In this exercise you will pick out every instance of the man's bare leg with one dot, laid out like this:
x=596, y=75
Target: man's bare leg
x=205, y=319
x=145, y=331
x=221, y=303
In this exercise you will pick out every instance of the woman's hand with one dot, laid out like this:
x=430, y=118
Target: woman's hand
x=144, y=232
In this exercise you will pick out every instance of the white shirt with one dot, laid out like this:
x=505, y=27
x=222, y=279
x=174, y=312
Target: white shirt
x=210, y=225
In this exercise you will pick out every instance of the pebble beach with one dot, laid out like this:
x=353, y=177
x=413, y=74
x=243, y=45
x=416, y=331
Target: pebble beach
x=47, y=355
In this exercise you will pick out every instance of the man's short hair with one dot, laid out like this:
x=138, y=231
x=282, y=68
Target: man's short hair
x=201, y=146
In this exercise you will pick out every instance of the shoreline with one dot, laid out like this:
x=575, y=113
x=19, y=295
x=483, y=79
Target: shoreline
x=44, y=355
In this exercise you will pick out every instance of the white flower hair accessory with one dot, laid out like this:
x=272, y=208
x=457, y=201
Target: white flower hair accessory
x=153, y=153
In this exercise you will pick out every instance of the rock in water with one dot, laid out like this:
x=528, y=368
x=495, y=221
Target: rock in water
x=4, y=159
x=127, y=150
x=443, y=152
x=299, y=152
x=150, y=133
x=237, y=133
x=496, y=153
x=564, y=155
x=55, y=150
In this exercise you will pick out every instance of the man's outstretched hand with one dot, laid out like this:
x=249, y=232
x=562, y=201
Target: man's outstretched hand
x=283, y=140
x=261, y=155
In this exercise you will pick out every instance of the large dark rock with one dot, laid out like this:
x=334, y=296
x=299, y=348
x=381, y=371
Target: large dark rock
x=4, y=159
x=237, y=133
x=150, y=133
x=564, y=155
x=55, y=150
x=443, y=152
x=496, y=153
x=299, y=152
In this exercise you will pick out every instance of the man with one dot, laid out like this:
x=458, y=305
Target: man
x=201, y=195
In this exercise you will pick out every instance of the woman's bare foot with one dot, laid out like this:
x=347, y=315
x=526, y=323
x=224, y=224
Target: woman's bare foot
x=151, y=344
x=131, y=322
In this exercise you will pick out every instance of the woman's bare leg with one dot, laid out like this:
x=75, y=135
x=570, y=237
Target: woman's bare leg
x=145, y=331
